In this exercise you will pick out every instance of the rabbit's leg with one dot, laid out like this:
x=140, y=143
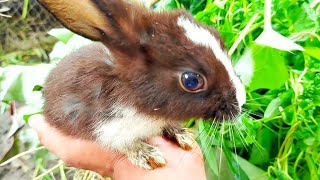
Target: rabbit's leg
x=145, y=155
x=183, y=136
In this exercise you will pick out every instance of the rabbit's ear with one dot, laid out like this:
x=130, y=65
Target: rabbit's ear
x=82, y=16
x=116, y=23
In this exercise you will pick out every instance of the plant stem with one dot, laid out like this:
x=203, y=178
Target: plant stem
x=49, y=171
x=288, y=136
x=297, y=162
x=21, y=154
x=267, y=14
x=243, y=33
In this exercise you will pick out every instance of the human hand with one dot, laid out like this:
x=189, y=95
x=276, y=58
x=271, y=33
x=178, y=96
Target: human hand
x=90, y=155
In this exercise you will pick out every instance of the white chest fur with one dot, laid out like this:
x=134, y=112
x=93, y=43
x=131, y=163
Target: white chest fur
x=126, y=127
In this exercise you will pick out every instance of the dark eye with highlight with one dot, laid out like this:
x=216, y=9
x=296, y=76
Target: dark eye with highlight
x=192, y=82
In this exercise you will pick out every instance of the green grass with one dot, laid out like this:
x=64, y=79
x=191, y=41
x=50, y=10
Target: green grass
x=279, y=130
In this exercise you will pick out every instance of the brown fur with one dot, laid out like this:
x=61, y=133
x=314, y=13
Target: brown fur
x=149, y=51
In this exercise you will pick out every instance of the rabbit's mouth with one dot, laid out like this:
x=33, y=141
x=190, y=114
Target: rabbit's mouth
x=224, y=112
x=225, y=115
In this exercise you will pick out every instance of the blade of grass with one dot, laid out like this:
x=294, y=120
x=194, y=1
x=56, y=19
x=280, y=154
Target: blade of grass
x=25, y=9
x=20, y=155
x=49, y=171
x=242, y=35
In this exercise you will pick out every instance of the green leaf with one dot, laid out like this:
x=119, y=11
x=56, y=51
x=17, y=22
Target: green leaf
x=14, y=89
x=6, y=102
x=263, y=68
x=313, y=52
x=309, y=141
x=37, y=88
x=268, y=38
x=251, y=170
x=261, y=154
x=208, y=153
x=304, y=18
x=225, y=170
x=283, y=100
x=272, y=108
x=194, y=6
x=208, y=14
x=19, y=82
x=313, y=167
x=26, y=117
x=62, y=34
x=166, y=4
x=60, y=49
x=234, y=165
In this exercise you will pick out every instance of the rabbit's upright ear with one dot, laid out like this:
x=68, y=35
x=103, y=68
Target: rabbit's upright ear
x=116, y=23
x=80, y=16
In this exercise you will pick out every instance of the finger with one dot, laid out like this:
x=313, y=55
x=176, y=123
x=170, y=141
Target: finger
x=37, y=123
x=174, y=149
x=73, y=151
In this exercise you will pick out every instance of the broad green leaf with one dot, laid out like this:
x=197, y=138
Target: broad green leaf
x=197, y=5
x=62, y=34
x=260, y=154
x=11, y=89
x=304, y=18
x=313, y=52
x=60, y=49
x=225, y=170
x=26, y=117
x=273, y=39
x=234, y=166
x=220, y=3
x=193, y=6
x=270, y=37
x=18, y=83
x=283, y=100
x=251, y=170
x=273, y=108
x=262, y=68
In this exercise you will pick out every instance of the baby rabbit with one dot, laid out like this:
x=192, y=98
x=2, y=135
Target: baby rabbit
x=148, y=72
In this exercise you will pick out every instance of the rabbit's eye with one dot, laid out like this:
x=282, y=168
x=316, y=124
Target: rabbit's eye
x=192, y=82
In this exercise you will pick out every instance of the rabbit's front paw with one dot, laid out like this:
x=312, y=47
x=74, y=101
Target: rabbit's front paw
x=146, y=156
x=183, y=136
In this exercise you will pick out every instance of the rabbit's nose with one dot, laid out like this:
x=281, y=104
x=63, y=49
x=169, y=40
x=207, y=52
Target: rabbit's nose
x=226, y=111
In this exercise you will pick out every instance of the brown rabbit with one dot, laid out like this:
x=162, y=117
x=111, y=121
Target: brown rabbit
x=149, y=72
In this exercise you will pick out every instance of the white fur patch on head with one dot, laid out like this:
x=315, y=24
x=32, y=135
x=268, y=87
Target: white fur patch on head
x=203, y=37
x=125, y=125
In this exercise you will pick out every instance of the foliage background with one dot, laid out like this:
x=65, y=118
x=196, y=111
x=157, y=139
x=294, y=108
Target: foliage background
x=278, y=134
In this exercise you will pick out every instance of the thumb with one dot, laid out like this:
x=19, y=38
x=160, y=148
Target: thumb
x=37, y=123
